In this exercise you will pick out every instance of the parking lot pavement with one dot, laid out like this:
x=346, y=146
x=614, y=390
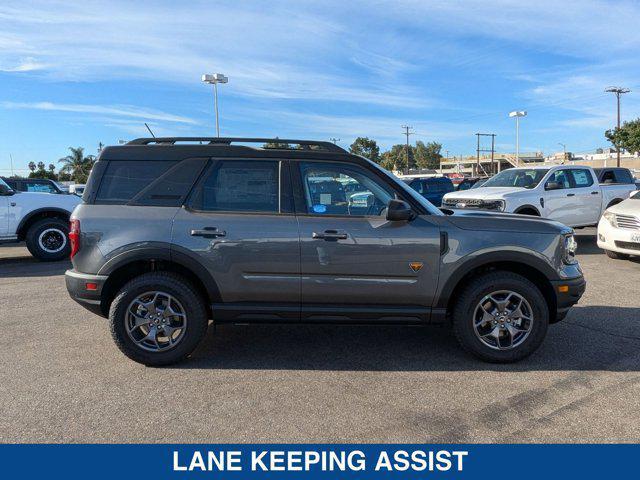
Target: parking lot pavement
x=63, y=380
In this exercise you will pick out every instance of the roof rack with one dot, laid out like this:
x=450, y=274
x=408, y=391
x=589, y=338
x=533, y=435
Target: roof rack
x=302, y=144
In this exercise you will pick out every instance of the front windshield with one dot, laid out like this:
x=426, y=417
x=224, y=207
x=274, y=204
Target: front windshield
x=636, y=196
x=2, y=182
x=517, y=177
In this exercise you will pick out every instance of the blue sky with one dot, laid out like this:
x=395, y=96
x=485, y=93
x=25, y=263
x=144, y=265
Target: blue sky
x=77, y=73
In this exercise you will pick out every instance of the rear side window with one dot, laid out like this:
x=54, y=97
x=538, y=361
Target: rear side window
x=623, y=176
x=240, y=186
x=172, y=188
x=582, y=178
x=122, y=180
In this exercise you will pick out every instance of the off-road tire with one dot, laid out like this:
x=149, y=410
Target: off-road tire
x=473, y=293
x=184, y=292
x=37, y=249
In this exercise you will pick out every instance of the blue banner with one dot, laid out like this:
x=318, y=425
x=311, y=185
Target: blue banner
x=317, y=461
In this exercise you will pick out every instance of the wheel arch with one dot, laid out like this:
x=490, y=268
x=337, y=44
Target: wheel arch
x=527, y=207
x=613, y=202
x=38, y=214
x=526, y=265
x=131, y=263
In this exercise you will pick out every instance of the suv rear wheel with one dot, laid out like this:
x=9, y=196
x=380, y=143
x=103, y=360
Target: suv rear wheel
x=158, y=319
x=48, y=239
x=500, y=317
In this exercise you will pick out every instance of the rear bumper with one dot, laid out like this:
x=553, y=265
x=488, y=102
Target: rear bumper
x=86, y=289
x=575, y=287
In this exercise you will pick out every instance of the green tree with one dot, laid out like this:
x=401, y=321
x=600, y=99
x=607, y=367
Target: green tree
x=427, y=155
x=366, y=147
x=627, y=137
x=277, y=144
x=397, y=156
x=32, y=166
x=76, y=165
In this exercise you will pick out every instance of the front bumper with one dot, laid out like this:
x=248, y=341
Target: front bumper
x=618, y=239
x=568, y=292
x=86, y=289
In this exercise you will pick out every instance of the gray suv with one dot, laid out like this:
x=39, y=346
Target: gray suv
x=175, y=232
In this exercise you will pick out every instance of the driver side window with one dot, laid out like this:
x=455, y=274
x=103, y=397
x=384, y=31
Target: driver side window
x=561, y=177
x=338, y=189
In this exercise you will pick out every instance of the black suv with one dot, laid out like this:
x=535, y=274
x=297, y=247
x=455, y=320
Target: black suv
x=174, y=232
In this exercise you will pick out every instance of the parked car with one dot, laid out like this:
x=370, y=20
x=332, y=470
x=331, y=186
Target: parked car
x=41, y=185
x=432, y=188
x=171, y=235
x=619, y=229
x=608, y=175
x=469, y=182
x=77, y=189
x=40, y=219
x=479, y=183
x=567, y=194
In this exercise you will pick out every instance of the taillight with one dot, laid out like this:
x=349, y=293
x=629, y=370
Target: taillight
x=74, y=236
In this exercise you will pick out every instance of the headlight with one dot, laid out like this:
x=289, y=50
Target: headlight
x=611, y=218
x=494, y=205
x=569, y=247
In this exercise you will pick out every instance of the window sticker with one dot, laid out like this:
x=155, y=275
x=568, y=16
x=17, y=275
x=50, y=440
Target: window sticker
x=325, y=198
x=319, y=209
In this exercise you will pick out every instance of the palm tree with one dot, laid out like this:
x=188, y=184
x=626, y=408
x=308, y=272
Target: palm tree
x=32, y=166
x=77, y=165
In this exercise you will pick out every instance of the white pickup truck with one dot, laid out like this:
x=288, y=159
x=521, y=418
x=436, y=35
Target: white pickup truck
x=568, y=194
x=40, y=219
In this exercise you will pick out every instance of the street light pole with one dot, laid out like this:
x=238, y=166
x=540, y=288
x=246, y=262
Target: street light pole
x=618, y=91
x=517, y=114
x=214, y=79
x=564, y=151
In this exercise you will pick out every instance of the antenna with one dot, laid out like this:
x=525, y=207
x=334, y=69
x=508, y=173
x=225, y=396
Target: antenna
x=145, y=124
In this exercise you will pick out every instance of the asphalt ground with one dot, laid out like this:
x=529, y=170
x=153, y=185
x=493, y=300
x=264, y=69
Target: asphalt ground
x=63, y=380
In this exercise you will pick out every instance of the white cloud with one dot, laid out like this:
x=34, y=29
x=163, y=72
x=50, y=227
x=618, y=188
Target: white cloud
x=127, y=111
x=28, y=64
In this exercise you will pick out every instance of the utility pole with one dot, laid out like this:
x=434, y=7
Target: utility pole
x=334, y=140
x=618, y=91
x=492, y=151
x=407, y=132
x=11, y=158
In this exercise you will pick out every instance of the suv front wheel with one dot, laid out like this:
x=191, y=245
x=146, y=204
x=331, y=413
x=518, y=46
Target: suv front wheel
x=158, y=319
x=501, y=317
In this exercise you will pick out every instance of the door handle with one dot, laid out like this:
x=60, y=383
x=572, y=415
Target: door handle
x=208, y=232
x=595, y=193
x=571, y=194
x=330, y=235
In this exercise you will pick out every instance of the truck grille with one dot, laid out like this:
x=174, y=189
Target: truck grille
x=472, y=203
x=628, y=245
x=628, y=221
x=467, y=202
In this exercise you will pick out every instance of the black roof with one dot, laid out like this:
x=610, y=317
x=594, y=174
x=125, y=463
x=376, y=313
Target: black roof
x=175, y=148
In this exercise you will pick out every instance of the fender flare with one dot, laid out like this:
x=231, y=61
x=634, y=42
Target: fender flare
x=163, y=251
x=530, y=259
x=38, y=211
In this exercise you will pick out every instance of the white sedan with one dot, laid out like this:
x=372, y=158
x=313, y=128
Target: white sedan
x=619, y=228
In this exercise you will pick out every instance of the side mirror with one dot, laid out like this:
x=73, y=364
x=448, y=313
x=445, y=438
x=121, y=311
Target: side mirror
x=553, y=186
x=5, y=190
x=399, y=211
